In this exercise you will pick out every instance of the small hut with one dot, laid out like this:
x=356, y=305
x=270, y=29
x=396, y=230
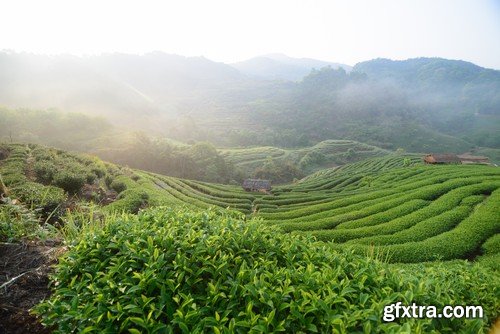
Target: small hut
x=467, y=158
x=441, y=159
x=257, y=185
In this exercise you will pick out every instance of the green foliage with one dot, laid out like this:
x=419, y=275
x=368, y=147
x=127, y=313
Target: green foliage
x=38, y=196
x=64, y=130
x=18, y=222
x=381, y=202
x=45, y=171
x=108, y=180
x=69, y=180
x=83, y=218
x=492, y=245
x=490, y=261
x=12, y=168
x=118, y=186
x=463, y=241
x=130, y=201
x=284, y=165
x=198, y=161
x=67, y=171
x=278, y=172
x=185, y=271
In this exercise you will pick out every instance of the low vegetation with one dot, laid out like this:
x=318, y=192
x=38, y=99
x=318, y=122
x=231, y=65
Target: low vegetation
x=154, y=253
x=168, y=270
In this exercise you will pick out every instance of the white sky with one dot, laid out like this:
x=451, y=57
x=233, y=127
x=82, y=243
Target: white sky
x=341, y=31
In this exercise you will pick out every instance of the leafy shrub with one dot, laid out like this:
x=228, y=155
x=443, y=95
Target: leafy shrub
x=311, y=158
x=13, y=179
x=69, y=180
x=45, y=171
x=191, y=272
x=118, y=186
x=492, y=245
x=90, y=177
x=108, y=179
x=12, y=171
x=421, y=230
x=490, y=261
x=98, y=171
x=461, y=242
x=446, y=202
x=38, y=196
x=130, y=200
x=18, y=222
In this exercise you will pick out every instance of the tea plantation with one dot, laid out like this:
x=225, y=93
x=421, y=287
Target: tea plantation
x=325, y=254
x=309, y=159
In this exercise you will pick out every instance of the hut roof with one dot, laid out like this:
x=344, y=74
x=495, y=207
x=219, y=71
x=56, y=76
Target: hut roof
x=257, y=184
x=442, y=158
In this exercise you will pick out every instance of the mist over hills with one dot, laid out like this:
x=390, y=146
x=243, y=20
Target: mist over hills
x=423, y=104
x=120, y=86
x=437, y=78
x=281, y=67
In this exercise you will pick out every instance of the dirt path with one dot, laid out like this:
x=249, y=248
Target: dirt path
x=24, y=270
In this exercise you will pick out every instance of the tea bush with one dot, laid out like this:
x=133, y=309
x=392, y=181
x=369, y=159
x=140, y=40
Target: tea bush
x=18, y=222
x=461, y=242
x=118, y=186
x=69, y=180
x=492, y=245
x=38, y=196
x=130, y=200
x=166, y=271
x=45, y=171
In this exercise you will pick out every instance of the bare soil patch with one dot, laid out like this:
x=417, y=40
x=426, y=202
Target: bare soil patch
x=24, y=270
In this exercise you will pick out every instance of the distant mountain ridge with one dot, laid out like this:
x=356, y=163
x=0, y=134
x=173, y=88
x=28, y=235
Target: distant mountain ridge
x=422, y=104
x=277, y=66
x=427, y=72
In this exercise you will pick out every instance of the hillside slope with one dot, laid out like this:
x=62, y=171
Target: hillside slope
x=178, y=260
x=180, y=251
x=272, y=162
x=424, y=104
x=393, y=202
x=473, y=112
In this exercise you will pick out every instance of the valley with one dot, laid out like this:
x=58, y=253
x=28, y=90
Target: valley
x=234, y=167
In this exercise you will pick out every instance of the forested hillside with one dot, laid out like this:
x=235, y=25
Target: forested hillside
x=193, y=160
x=423, y=104
x=458, y=97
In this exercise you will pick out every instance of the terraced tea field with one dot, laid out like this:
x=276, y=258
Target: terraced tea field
x=325, y=154
x=176, y=262
x=414, y=213
x=409, y=211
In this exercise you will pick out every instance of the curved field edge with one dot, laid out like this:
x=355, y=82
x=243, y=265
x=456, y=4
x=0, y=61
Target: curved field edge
x=190, y=271
x=392, y=202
